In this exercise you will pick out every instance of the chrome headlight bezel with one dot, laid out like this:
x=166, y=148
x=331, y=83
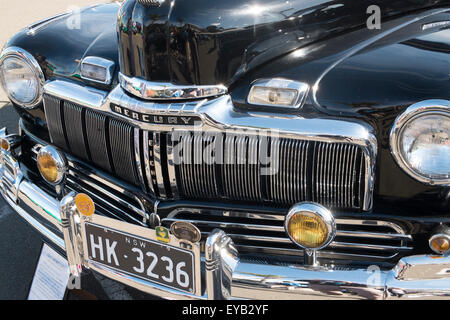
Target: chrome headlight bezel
x=415, y=111
x=31, y=62
x=60, y=161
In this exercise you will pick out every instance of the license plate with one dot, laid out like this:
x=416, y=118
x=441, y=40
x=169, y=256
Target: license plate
x=141, y=257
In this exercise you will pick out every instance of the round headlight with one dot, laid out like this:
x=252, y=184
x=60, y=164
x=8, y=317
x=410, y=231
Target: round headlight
x=52, y=165
x=420, y=141
x=310, y=226
x=21, y=77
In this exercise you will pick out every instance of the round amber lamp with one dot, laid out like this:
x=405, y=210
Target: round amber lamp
x=48, y=167
x=4, y=144
x=85, y=204
x=440, y=244
x=309, y=231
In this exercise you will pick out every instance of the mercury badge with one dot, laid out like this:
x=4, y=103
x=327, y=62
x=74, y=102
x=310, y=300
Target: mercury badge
x=186, y=231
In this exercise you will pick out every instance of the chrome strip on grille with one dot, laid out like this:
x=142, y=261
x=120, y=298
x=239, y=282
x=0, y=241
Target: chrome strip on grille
x=171, y=166
x=157, y=150
x=137, y=155
x=149, y=162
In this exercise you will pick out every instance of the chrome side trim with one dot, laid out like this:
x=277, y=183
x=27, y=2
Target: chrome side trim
x=166, y=91
x=35, y=67
x=35, y=27
x=416, y=110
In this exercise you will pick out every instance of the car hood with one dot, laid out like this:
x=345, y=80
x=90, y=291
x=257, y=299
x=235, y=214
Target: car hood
x=209, y=42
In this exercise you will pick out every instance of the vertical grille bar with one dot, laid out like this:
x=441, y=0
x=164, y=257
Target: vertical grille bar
x=138, y=154
x=97, y=139
x=54, y=116
x=171, y=165
x=157, y=153
x=149, y=161
x=122, y=150
x=73, y=119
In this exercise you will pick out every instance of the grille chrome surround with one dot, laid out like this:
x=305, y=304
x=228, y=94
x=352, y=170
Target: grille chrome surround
x=159, y=171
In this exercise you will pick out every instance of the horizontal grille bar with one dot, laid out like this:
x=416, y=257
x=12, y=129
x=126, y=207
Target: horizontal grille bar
x=356, y=239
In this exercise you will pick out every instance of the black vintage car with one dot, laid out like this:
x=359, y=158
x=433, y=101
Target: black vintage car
x=272, y=149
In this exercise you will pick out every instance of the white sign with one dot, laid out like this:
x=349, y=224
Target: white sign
x=51, y=276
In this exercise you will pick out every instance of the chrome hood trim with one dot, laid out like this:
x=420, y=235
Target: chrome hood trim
x=166, y=91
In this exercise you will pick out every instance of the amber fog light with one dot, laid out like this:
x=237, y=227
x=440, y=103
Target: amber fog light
x=52, y=165
x=10, y=142
x=440, y=242
x=310, y=226
x=4, y=144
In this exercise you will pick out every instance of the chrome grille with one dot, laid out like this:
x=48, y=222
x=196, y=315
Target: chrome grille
x=336, y=175
x=259, y=233
x=328, y=173
x=92, y=136
x=256, y=233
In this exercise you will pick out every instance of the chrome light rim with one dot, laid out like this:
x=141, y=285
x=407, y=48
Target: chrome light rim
x=317, y=210
x=106, y=64
x=301, y=88
x=60, y=160
x=439, y=235
x=35, y=67
x=420, y=109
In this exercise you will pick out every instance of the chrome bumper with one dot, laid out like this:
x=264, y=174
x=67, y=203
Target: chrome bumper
x=228, y=276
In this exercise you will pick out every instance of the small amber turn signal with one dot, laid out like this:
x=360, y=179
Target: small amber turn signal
x=440, y=243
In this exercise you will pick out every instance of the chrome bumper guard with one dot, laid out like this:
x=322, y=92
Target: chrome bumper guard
x=228, y=276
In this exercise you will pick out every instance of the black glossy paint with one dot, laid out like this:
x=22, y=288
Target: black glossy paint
x=208, y=42
x=372, y=75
